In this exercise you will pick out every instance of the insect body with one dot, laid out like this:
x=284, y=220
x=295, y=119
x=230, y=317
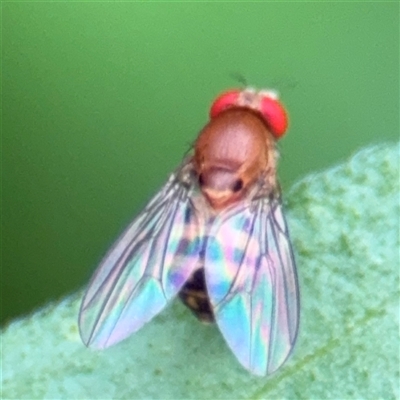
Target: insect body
x=215, y=235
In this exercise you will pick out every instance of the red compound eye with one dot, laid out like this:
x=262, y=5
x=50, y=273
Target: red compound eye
x=265, y=103
x=274, y=115
x=224, y=101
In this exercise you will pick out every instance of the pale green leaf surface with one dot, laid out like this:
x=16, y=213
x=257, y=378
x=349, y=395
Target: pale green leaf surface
x=344, y=226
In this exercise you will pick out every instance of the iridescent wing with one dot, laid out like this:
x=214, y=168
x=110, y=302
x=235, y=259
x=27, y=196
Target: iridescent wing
x=144, y=269
x=252, y=284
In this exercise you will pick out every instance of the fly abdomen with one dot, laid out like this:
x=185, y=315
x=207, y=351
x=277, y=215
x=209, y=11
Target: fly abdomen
x=194, y=296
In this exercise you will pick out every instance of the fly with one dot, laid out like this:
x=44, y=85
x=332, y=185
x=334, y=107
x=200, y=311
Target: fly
x=216, y=236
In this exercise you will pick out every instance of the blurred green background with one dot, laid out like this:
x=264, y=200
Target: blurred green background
x=101, y=100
